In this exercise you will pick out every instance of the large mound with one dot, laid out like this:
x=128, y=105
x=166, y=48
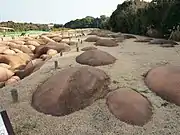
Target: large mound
x=164, y=81
x=70, y=90
x=92, y=39
x=129, y=106
x=106, y=42
x=95, y=58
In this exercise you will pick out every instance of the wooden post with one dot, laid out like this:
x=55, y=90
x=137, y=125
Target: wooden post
x=81, y=41
x=61, y=53
x=14, y=95
x=55, y=64
x=77, y=47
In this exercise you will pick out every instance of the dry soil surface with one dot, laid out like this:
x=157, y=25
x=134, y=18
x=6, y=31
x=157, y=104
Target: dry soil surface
x=133, y=59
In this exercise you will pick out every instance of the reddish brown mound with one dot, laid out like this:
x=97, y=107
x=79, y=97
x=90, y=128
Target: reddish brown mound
x=163, y=41
x=40, y=50
x=31, y=67
x=118, y=39
x=143, y=40
x=89, y=48
x=166, y=45
x=116, y=35
x=128, y=36
x=57, y=39
x=15, y=61
x=129, y=106
x=165, y=82
x=101, y=33
x=95, y=58
x=70, y=90
x=92, y=39
x=106, y=42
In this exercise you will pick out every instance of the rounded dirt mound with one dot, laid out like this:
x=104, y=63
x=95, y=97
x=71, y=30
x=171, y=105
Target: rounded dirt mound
x=59, y=47
x=92, y=39
x=88, y=48
x=162, y=41
x=129, y=106
x=95, y=58
x=164, y=81
x=70, y=90
x=106, y=42
x=143, y=40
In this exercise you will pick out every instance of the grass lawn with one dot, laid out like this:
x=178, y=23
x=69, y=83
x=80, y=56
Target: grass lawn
x=15, y=34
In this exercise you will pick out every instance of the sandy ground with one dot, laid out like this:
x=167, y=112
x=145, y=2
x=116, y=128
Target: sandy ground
x=133, y=60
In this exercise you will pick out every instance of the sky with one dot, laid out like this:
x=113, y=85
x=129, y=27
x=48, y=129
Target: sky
x=54, y=11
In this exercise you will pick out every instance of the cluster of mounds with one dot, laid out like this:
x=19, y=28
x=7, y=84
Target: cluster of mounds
x=21, y=57
x=109, y=39
x=120, y=37
x=106, y=33
x=75, y=88
x=161, y=42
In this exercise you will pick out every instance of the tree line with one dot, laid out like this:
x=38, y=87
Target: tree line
x=24, y=26
x=89, y=22
x=138, y=17
x=159, y=17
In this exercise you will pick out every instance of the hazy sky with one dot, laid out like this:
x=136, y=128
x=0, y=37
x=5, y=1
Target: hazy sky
x=55, y=11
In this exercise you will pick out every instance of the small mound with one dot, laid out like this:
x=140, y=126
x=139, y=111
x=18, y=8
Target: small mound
x=129, y=106
x=70, y=90
x=92, y=39
x=40, y=50
x=101, y=33
x=162, y=41
x=116, y=35
x=143, y=40
x=32, y=66
x=57, y=39
x=88, y=48
x=164, y=81
x=128, y=36
x=119, y=39
x=5, y=74
x=106, y=42
x=95, y=58
x=166, y=45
